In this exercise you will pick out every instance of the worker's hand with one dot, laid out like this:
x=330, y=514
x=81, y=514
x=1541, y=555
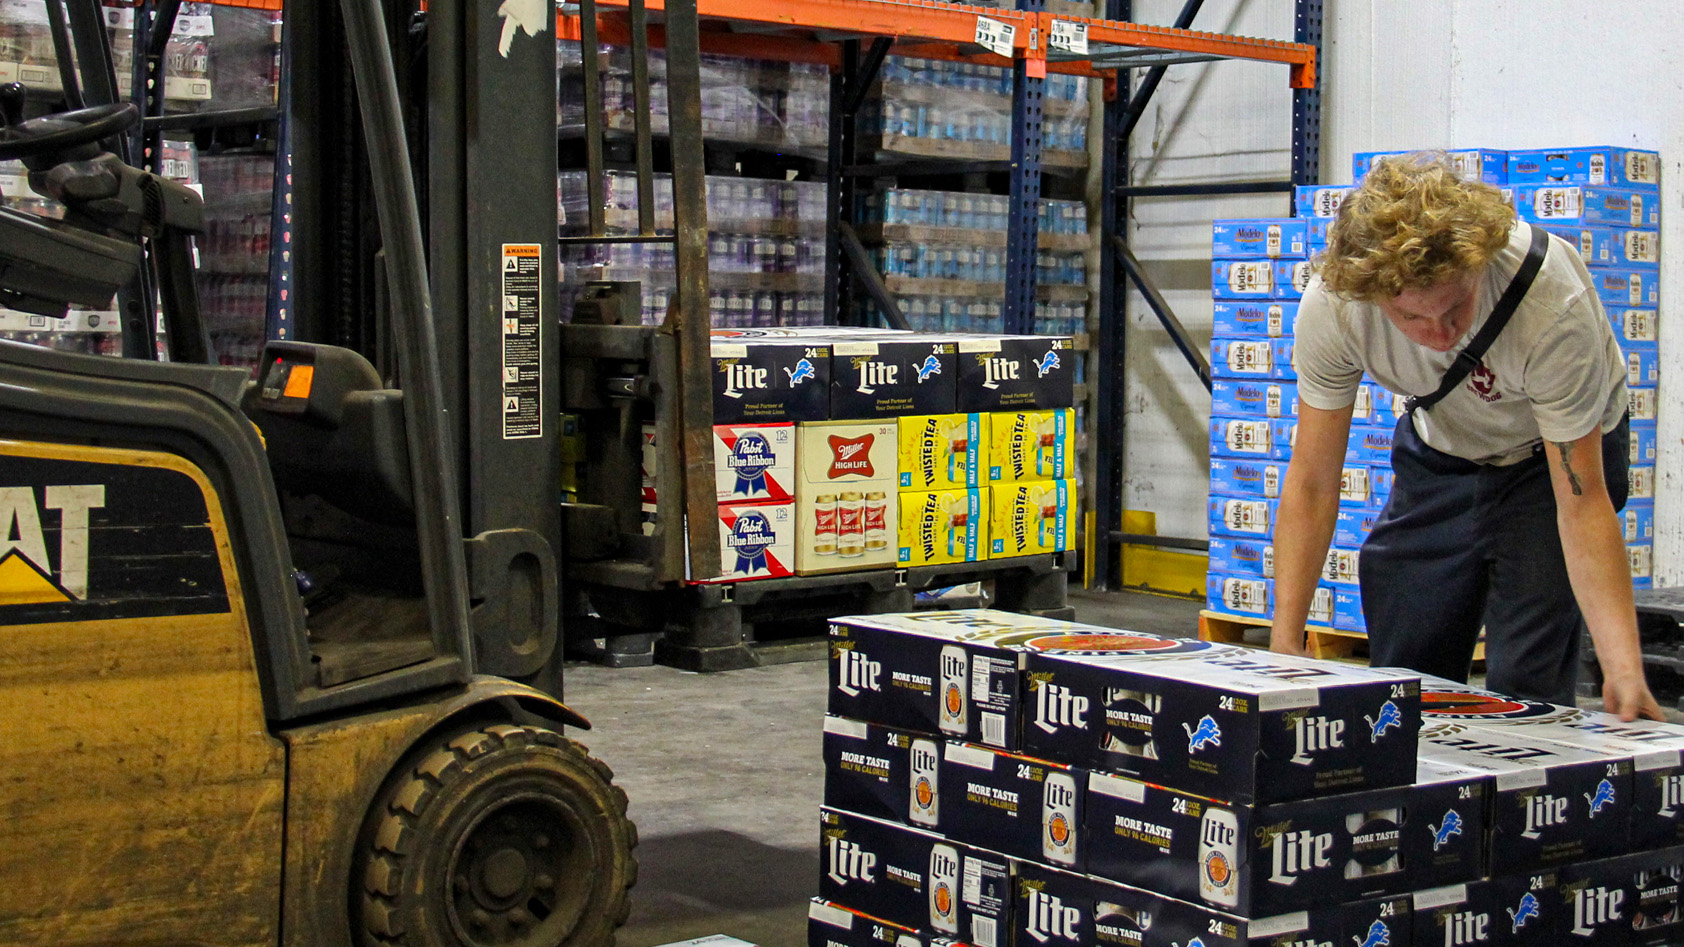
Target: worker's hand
x=1282, y=641
x=1628, y=697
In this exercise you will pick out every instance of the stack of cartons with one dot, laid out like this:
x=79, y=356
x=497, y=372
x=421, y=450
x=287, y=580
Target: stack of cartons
x=1606, y=202
x=1124, y=788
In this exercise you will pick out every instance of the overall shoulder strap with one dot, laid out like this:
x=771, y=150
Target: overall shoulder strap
x=1468, y=359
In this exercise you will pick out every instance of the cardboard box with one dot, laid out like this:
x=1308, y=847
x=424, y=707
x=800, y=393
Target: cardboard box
x=1246, y=478
x=1352, y=526
x=1370, y=445
x=1644, y=404
x=1629, y=900
x=1273, y=238
x=1506, y=911
x=1242, y=517
x=1641, y=479
x=1587, y=204
x=1291, y=277
x=1380, y=482
x=1347, y=610
x=757, y=380
x=910, y=877
x=941, y=451
x=1247, y=596
x=1319, y=200
x=751, y=462
x=1638, y=289
x=1242, y=726
x=1029, y=445
x=1257, y=861
x=1377, y=407
x=1016, y=372
x=940, y=526
x=895, y=375
x=1622, y=167
x=846, y=495
x=1552, y=803
x=1339, y=569
x=1472, y=164
x=1636, y=327
x=1251, y=359
x=1253, y=438
x=882, y=772
x=1031, y=518
x=1356, y=486
x=1593, y=243
x=1643, y=442
x=756, y=541
x=1253, y=558
x=1233, y=397
x=1269, y=320
x=831, y=925
x=1317, y=231
x=1643, y=367
x=1242, y=279
x=1013, y=804
x=1642, y=558
x=1636, y=249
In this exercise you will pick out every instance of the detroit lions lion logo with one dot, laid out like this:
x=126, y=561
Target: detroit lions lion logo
x=1444, y=831
x=1388, y=718
x=1519, y=916
x=1604, y=796
x=802, y=371
x=1044, y=364
x=931, y=366
x=1379, y=935
x=1207, y=734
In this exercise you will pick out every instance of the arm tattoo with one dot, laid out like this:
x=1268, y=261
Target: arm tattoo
x=1566, y=448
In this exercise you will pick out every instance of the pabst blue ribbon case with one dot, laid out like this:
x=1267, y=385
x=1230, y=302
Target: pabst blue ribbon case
x=754, y=461
x=1264, y=860
x=1017, y=805
x=1633, y=899
x=756, y=541
x=770, y=380
x=892, y=375
x=1005, y=372
x=912, y=878
x=882, y=772
x=1551, y=803
x=831, y=925
x=1515, y=910
x=1240, y=726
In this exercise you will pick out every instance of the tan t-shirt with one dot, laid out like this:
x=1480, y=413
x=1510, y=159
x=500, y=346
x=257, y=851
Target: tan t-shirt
x=1554, y=372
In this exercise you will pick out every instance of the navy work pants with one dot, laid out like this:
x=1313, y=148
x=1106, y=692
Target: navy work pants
x=1461, y=546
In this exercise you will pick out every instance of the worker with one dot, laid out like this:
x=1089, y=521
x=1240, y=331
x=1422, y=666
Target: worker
x=1509, y=466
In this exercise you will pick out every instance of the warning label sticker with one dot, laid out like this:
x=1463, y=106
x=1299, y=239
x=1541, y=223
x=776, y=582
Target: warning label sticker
x=523, y=333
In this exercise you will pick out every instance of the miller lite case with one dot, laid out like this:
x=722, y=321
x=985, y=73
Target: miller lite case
x=846, y=498
x=1242, y=726
x=1016, y=372
x=777, y=379
x=756, y=541
x=1517, y=910
x=831, y=925
x=882, y=772
x=912, y=878
x=1017, y=805
x=891, y=375
x=1552, y=803
x=1629, y=900
x=1263, y=860
x=754, y=462
x=1029, y=445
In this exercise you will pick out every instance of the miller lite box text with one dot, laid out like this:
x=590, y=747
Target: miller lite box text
x=831, y=925
x=1637, y=289
x=1251, y=359
x=1016, y=372
x=1643, y=367
x=1258, y=861
x=1255, y=438
x=1235, y=397
x=1030, y=445
x=1246, y=478
x=942, y=451
x=1369, y=445
x=770, y=380
x=1016, y=805
x=846, y=498
x=1588, y=204
x=1628, y=900
x=1030, y=518
x=1246, y=280
x=1471, y=164
x=1622, y=167
x=1244, y=726
x=1505, y=911
x=1242, y=517
x=1269, y=319
x=1636, y=328
x=1242, y=557
x=1552, y=803
x=1292, y=277
x=911, y=877
x=1056, y=908
x=1319, y=200
x=892, y=375
x=882, y=772
x=940, y=526
x=756, y=541
x=1246, y=595
x=1643, y=442
x=754, y=462
x=1261, y=237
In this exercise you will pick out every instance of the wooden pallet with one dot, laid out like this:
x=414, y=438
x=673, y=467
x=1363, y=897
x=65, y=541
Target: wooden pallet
x=1323, y=642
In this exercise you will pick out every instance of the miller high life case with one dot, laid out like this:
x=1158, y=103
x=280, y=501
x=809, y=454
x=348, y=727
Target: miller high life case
x=942, y=526
x=832, y=925
x=1031, y=518
x=954, y=674
x=882, y=772
x=756, y=541
x=941, y=451
x=891, y=375
x=1263, y=860
x=754, y=462
x=1015, y=372
x=1240, y=726
x=913, y=878
x=846, y=499
x=1511, y=910
x=1030, y=445
x=1629, y=900
x=1551, y=803
x=1016, y=805
x=777, y=379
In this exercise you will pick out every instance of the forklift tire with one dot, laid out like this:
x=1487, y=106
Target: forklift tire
x=503, y=836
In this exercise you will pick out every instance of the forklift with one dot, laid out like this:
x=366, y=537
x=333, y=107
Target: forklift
x=246, y=624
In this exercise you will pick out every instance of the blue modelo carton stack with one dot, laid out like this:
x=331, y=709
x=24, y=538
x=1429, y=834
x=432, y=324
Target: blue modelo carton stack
x=1606, y=202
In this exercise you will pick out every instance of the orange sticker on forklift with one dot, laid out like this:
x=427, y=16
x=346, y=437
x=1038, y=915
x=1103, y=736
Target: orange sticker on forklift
x=298, y=381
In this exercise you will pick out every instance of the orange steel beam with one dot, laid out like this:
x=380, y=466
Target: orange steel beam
x=922, y=19
x=1301, y=57
x=615, y=30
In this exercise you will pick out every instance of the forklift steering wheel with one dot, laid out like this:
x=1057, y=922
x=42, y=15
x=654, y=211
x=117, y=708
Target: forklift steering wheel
x=86, y=125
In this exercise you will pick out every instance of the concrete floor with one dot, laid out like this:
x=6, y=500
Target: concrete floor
x=725, y=781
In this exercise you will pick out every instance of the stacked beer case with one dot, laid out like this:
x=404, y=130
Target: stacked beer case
x=1606, y=202
x=848, y=449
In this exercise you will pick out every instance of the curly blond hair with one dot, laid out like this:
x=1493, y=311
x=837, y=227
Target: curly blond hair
x=1412, y=224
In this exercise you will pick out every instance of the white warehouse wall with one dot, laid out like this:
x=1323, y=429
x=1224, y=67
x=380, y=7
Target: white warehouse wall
x=1428, y=73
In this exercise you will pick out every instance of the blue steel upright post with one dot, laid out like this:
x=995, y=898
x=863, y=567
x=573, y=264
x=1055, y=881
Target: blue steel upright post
x=1023, y=227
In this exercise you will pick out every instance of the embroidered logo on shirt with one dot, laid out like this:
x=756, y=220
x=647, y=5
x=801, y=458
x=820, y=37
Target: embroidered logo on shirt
x=1482, y=381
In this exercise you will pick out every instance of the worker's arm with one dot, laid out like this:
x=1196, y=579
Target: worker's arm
x=1304, y=524
x=1599, y=571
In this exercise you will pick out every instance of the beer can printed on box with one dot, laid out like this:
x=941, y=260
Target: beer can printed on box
x=1623, y=167
x=1636, y=327
x=1241, y=517
x=1233, y=397
x=1644, y=441
x=1253, y=438
x=1640, y=481
x=1643, y=367
x=1291, y=278
x=1267, y=319
x=943, y=526
x=882, y=772
x=1629, y=900
x=1031, y=518
x=1029, y=445
x=1250, y=359
x=1002, y=800
x=1242, y=279
x=845, y=494
x=756, y=541
x=937, y=452
x=754, y=462
x=1317, y=200
x=1258, y=238
x=1246, y=595
x=1246, y=478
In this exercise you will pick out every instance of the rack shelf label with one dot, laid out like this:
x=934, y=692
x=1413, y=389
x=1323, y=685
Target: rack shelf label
x=995, y=36
x=1070, y=37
